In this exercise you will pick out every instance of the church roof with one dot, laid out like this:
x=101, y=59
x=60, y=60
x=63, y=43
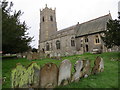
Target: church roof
x=63, y=32
x=66, y=29
x=92, y=26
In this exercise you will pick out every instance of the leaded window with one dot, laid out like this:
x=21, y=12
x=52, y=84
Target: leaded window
x=57, y=44
x=47, y=47
x=97, y=40
x=72, y=41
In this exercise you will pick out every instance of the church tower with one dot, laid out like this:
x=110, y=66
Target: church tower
x=48, y=24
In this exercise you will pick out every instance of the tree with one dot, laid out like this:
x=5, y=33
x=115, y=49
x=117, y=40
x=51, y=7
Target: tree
x=34, y=50
x=112, y=34
x=15, y=38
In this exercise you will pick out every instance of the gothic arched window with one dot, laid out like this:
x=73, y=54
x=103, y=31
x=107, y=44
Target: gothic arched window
x=47, y=47
x=86, y=39
x=51, y=18
x=57, y=44
x=72, y=41
x=97, y=40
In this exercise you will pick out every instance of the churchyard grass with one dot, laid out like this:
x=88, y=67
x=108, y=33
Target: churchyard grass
x=106, y=79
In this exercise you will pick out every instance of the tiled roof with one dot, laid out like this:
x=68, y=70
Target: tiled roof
x=92, y=26
x=89, y=27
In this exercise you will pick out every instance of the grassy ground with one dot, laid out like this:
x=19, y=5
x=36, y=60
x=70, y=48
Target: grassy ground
x=106, y=79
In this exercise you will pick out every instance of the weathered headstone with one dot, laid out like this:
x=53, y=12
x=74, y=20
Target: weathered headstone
x=25, y=77
x=41, y=54
x=86, y=68
x=29, y=55
x=19, y=77
x=33, y=71
x=49, y=76
x=78, y=66
x=64, y=72
x=35, y=56
x=51, y=55
x=24, y=55
x=19, y=55
x=98, y=65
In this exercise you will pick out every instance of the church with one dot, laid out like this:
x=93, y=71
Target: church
x=76, y=39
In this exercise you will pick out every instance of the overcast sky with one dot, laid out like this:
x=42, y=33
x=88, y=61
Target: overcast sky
x=68, y=12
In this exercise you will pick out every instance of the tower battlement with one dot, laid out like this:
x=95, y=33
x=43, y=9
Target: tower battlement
x=48, y=24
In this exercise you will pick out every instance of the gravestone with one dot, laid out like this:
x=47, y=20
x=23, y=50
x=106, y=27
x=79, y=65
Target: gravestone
x=49, y=76
x=86, y=68
x=25, y=77
x=98, y=65
x=64, y=72
x=41, y=55
x=19, y=77
x=35, y=56
x=24, y=55
x=33, y=71
x=19, y=55
x=58, y=56
x=51, y=55
x=77, y=67
x=29, y=55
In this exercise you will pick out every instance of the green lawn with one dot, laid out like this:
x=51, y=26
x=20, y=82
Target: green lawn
x=106, y=79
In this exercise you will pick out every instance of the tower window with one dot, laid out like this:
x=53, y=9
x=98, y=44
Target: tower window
x=51, y=18
x=57, y=44
x=43, y=19
x=72, y=41
x=47, y=47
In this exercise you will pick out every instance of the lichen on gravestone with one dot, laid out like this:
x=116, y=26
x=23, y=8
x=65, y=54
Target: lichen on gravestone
x=18, y=76
x=77, y=74
x=98, y=65
x=31, y=70
x=22, y=77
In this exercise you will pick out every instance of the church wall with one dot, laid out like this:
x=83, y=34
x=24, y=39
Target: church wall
x=86, y=43
x=65, y=46
x=91, y=44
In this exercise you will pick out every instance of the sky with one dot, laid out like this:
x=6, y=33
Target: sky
x=68, y=12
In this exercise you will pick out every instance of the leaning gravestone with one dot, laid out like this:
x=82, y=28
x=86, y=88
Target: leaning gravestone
x=33, y=71
x=49, y=76
x=98, y=65
x=86, y=68
x=64, y=72
x=78, y=66
x=25, y=77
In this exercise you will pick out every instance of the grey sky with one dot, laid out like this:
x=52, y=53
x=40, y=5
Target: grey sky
x=68, y=12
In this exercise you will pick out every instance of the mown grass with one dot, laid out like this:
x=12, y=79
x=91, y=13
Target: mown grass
x=106, y=79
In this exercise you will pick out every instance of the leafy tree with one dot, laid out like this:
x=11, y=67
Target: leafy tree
x=14, y=33
x=34, y=50
x=112, y=35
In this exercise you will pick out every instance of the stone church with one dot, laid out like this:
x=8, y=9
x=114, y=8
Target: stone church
x=76, y=39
